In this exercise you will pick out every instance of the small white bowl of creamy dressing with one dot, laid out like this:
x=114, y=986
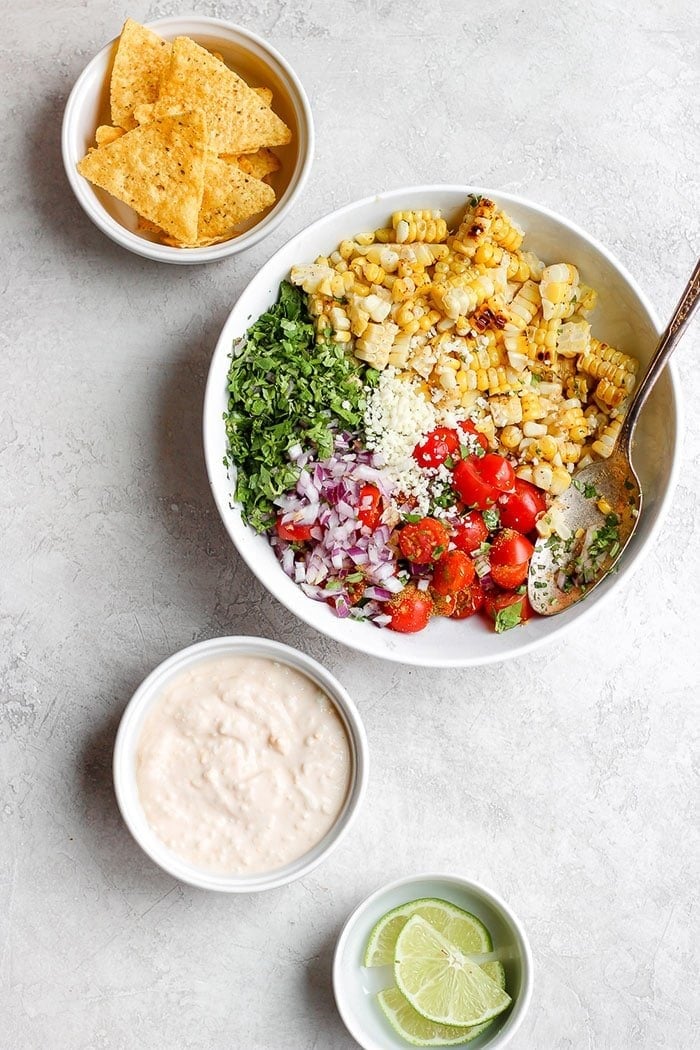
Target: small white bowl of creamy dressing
x=240, y=764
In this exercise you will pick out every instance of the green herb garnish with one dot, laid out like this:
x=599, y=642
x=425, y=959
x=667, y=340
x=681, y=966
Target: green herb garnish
x=492, y=518
x=509, y=617
x=285, y=388
x=588, y=490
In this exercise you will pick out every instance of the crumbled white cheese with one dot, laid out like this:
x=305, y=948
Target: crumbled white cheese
x=397, y=418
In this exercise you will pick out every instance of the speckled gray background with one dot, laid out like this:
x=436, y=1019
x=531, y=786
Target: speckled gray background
x=565, y=780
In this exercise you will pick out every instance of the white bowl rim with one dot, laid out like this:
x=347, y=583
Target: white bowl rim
x=584, y=608
x=163, y=252
x=147, y=693
x=521, y=1004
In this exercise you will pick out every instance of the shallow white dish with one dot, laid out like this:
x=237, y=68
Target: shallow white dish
x=624, y=317
x=355, y=986
x=260, y=65
x=124, y=766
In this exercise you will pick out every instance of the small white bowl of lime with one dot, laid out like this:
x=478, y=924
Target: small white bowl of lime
x=404, y=921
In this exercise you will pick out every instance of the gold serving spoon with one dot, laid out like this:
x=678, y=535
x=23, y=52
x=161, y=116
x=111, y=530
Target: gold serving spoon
x=595, y=518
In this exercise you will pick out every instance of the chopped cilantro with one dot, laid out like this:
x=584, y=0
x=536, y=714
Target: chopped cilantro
x=412, y=518
x=606, y=540
x=539, y=584
x=474, y=199
x=492, y=518
x=588, y=490
x=354, y=577
x=449, y=462
x=509, y=617
x=522, y=589
x=285, y=388
x=534, y=378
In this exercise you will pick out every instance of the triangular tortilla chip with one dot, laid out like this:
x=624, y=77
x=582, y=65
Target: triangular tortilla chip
x=157, y=169
x=141, y=60
x=237, y=118
x=230, y=196
x=106, y=134
x=259, y=164
x=265, y=94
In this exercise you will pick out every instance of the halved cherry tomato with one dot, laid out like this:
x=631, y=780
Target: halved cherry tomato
x=520, y=508
x=509, y=576
x=506, y=609
x=470, y=532
x=471, y=488
x=410, y=610
x=468, y=601
x=443, y=604
x=510, y=548
x=423, y=541
x=454, y=571
x=496, y=471
x=293, y=531
x=369, y=510
x=436, y=447
x=468, y=427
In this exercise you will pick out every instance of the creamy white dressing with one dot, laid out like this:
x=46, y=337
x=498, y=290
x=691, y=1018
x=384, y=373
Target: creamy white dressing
x=242, y=765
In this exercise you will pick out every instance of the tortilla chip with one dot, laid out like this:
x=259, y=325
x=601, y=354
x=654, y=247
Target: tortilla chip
x=230, y=196
x=237, y=118
x=149, y=227
x=106, y=134
x=141, y=60
x=157, y=169
x=259, y=164
x=265, y=94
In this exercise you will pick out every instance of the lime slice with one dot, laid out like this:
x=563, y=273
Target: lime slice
x=440, y=982
x=460, y=927
x=418, y=1031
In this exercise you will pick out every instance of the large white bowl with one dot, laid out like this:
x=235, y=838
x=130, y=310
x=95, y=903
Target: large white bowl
x=624, y=317
x=260, y=65
x=355, y=986
x=129, y=733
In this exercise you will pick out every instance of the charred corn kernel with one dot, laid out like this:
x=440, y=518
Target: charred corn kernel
x=523, y=307
x=610, y=394
x=447, y=379
x=510, y=437
x=365, y=238
x=542, y=476
x=339, y=319
x=532, y=407
x=614, y=356
x=412, y=327
x=373, y=273
x=405, y=314
x=482, y=379
x=384, y=235
x=316, y=305
x=558, y=287
x=544, y=447
x=606, y=441
x=587, y=298
x=569, y=451
x=342, y=337
x=360, y=288
x=616, y=375
x=346, y=250
x=418, y=226
x=525, y=472
x=488, y=254
x=533, y=430
x=402, y=290
x=603, y=506
x=467, y=379
x=518, y=269
x=322, y=260
x=561, y=479
x=505, y=232
x=506, y=410
x=578, y=432
x=473, y=229
x=425, y=323
x=348, y=279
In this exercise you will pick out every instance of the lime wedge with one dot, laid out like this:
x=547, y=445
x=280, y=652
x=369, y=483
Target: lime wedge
x=460, y=927
x=440, y=982
x=418, y=1031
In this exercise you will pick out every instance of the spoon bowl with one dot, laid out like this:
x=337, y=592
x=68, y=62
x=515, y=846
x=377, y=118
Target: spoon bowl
x=593, y=521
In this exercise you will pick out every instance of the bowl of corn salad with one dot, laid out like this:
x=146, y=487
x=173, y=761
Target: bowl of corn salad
x=397, y=398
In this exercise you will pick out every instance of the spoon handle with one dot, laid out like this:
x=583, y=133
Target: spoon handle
x=667, y=344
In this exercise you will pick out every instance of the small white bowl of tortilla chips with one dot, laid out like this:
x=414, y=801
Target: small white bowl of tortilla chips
x=187, y=140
